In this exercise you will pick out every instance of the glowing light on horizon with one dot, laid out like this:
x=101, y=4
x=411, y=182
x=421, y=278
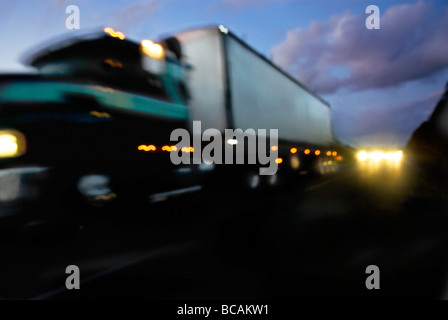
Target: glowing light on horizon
x=378, y=155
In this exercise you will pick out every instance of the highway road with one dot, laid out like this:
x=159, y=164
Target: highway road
x=310, y=239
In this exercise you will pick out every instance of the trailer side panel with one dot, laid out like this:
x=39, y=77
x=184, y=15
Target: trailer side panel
x=262, y=97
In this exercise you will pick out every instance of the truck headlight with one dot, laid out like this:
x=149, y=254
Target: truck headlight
x=152, y=50
x=153, y=57
x=12, y=144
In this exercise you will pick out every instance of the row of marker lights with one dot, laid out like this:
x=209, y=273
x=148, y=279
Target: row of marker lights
x=148, y=148
x=307, y=152
x=292, y=150
x=151, y=147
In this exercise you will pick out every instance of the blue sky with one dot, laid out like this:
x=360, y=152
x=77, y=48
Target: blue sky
x=381, y=83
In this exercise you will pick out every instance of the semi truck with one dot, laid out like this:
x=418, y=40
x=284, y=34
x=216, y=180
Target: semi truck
x=92, y=125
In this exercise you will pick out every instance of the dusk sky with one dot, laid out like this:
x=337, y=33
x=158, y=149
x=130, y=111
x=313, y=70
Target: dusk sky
x=382, y=84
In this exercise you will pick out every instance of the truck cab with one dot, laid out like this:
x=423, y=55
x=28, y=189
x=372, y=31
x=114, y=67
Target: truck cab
x=93, y=122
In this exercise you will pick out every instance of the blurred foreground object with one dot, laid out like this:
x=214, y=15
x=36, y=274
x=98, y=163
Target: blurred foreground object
x=428, y=155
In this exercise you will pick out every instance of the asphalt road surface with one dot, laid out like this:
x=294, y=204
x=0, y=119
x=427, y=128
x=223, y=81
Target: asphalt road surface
x=313, y=238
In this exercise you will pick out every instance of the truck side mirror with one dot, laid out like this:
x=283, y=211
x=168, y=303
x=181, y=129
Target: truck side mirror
x=173, y=45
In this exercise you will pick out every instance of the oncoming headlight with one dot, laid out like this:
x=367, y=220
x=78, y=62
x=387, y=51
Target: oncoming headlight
x=12, y=144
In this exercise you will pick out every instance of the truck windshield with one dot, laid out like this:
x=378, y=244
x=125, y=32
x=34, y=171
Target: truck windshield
x=105, y=62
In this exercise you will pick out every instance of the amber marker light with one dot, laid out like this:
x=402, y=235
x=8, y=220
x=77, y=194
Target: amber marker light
x=169, y=148
x=187, y=149
x=146, y=148
x=113, y=33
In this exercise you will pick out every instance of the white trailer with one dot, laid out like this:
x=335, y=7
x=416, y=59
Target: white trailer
x=232, y=86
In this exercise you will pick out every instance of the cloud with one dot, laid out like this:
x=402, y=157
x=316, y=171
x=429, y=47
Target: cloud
x=342, y=53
